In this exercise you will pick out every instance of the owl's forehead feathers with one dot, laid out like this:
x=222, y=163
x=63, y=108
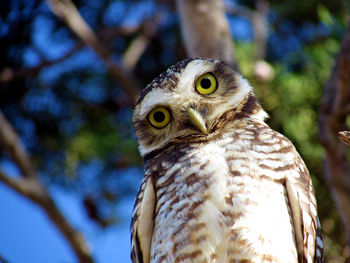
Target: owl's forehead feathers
x=193, y=70
x=168, y=79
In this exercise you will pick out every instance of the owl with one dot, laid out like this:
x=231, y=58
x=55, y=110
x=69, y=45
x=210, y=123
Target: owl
x=219, y=184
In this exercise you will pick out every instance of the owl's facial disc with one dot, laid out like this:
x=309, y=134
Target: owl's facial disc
x=194, y=100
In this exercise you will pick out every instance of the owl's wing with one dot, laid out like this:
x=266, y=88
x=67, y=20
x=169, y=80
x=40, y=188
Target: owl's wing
x=142, y=222
x=304, y=212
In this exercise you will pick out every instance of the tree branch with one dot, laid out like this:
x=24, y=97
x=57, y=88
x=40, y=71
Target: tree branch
x=67, y=12
x=148, y=28
x=205, y=29
x=11, y=142
x=139, y=44
x=336, y=98
x=258, y=19
x=27, y=187
x=30, y=187
x=259, y=22
x=108, y=34
x=2, y=260
x=238, y=10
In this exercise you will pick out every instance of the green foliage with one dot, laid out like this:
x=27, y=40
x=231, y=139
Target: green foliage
x=324, y=15
x=292, y=98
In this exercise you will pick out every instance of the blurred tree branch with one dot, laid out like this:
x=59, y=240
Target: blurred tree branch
x=332, y=119
x=260, y=25
x=108, y=34
x=139, y=44
x=11, y=142
x=68, y=13
x=148, y=28
x=258, y=18
x=2, y=260
x=30, y=187
x=205, y=29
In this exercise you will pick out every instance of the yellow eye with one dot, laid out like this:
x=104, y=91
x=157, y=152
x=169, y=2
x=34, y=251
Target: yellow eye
x=159, y=117
x=206, y=84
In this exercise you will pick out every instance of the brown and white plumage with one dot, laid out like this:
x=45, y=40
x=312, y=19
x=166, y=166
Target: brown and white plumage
x=223, y=187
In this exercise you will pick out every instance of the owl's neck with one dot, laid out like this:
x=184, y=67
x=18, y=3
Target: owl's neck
x=250, y=108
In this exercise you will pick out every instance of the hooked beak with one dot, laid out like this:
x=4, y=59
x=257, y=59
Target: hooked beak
x=197, y=120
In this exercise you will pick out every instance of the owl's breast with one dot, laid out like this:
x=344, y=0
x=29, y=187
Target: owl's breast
x=189, y=219
x=213, y=207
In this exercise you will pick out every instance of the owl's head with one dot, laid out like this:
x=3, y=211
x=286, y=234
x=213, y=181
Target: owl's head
x=195, y=99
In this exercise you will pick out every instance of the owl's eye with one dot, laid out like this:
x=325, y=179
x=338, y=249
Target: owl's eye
x=159, y=117
x=206, y=84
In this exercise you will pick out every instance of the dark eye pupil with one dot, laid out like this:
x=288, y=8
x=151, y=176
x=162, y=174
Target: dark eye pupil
x=205, y=83
x=159, y=116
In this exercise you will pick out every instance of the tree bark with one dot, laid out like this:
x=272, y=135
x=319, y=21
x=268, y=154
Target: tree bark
x=205, y=29
x=260, y=25
x=333, y=113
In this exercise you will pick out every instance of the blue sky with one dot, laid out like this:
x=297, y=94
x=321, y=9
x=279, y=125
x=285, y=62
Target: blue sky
x=26, y=235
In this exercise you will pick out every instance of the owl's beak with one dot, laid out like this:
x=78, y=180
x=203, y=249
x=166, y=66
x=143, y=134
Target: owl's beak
x=197, y=120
